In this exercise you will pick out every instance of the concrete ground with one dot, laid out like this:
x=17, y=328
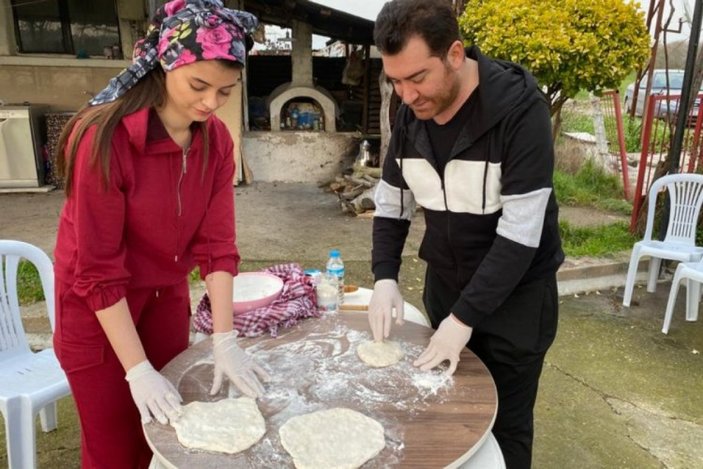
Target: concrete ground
x=615, y=391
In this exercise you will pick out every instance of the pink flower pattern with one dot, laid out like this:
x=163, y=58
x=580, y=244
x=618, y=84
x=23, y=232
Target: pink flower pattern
x=164, y=41
x=185, y=57
x=215, y=42
x=171, y=8
x=183, y=32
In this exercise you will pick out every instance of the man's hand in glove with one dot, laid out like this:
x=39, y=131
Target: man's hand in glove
x=446, y=344
x=153, y=394
x=237, y=365
x=385, y=297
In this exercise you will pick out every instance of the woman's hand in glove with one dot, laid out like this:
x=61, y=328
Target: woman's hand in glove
x=237, y=365
x=153, y=394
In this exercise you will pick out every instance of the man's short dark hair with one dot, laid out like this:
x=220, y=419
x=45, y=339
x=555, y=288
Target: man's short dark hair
x=432, y=20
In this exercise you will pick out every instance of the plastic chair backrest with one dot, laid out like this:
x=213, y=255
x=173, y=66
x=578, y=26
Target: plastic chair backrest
x=12, y=336
x=685, y=200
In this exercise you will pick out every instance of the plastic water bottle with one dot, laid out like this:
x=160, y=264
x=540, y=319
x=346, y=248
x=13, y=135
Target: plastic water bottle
x=335, y=266
x=294, y=116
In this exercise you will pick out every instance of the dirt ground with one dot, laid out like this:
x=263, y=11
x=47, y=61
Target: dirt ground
x=275, y=221
x=312, y=215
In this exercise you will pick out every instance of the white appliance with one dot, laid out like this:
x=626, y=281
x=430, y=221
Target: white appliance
x=22, y=130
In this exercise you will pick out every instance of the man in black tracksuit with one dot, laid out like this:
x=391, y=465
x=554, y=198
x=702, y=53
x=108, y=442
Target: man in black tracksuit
x=472, y=145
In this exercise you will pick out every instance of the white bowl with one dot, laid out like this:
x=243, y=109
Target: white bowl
x=254, y=290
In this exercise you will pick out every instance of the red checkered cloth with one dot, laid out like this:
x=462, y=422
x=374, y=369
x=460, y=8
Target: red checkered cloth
x=297, y=301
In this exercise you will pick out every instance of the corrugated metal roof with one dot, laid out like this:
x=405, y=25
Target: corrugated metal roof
x=324, y=20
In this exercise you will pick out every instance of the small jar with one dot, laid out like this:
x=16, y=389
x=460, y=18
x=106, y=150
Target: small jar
x=314, y=275
x=327, y=293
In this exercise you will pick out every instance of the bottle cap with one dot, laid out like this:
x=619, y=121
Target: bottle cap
x=334, y=253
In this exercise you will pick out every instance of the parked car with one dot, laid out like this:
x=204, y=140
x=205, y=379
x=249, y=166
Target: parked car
x=663, y=108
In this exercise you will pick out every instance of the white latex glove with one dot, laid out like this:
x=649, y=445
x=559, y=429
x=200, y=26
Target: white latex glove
x=153, y=394
x=445, y=344
x=386, y=296
x=237, y=365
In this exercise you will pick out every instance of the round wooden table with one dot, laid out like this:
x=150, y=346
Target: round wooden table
x=430, y=420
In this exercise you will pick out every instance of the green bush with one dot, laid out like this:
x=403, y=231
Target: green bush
x=595, y=241
x=569, y=45
x=632, y=127
x=29, y=288
x=591, y=186
x=574, y=121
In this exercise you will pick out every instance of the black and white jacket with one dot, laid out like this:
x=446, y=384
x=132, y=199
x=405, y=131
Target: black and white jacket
x=491, y=217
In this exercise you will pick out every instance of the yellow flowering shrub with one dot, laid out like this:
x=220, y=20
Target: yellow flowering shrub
x=568, y=45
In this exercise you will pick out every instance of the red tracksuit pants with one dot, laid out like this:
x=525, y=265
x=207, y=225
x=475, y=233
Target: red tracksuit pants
x=111, y=432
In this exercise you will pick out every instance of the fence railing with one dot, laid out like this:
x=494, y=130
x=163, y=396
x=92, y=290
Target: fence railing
x=615, y=134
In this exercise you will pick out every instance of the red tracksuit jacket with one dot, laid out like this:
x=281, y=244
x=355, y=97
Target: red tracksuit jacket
x=160, y=215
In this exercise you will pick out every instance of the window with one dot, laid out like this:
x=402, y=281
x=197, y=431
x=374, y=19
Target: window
x=65, y=26
x=675, y=80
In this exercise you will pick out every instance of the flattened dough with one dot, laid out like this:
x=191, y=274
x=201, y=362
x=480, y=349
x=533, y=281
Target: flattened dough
x=226, y=426
x=380, y=354
x=336, y=438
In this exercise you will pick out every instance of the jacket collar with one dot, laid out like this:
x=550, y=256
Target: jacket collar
x=137, y=127
x=502, y=87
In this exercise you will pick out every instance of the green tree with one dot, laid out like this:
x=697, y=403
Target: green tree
x=568, y=45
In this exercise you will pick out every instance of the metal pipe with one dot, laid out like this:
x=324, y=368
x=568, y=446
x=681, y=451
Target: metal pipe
x=676, y=146
x=682, y=119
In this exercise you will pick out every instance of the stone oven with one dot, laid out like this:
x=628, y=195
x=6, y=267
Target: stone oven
x=299, y=104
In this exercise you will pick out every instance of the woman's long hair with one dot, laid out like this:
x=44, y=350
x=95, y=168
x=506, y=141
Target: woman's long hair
x=150, y=91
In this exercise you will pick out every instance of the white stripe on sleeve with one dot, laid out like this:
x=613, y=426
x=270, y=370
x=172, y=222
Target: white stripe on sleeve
x=523, y=217
x=387, y=199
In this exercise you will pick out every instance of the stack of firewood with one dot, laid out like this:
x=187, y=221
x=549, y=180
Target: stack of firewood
x=355, y=190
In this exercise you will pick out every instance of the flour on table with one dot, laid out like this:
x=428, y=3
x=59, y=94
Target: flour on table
x=226, y=426
x=336, y=438
x=380, y=354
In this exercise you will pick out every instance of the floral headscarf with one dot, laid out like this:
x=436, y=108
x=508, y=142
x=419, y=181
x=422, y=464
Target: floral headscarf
x=183, y=32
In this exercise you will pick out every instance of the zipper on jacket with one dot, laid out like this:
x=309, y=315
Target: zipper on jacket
x=184, y=169
x=444, y=192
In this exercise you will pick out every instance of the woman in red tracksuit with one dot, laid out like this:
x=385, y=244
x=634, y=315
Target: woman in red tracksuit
x=149, y=173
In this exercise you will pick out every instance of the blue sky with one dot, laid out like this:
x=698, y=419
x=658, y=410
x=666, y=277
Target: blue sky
x=364, y=8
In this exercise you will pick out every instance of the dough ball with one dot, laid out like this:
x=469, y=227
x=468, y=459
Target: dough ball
x=380, y=354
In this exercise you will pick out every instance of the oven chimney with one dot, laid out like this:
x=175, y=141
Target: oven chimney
x=301, y=54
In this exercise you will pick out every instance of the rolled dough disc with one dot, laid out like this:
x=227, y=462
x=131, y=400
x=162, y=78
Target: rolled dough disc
x=336, y=438
x=225, y=426
x=380, y=354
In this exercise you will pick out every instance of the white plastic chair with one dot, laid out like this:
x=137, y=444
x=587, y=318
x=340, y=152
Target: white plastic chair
x=679, y=244
x=692, y=273
x=487, y=456
x=30, y=383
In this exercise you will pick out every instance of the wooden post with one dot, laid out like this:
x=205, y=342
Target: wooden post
x=385, y=122
x=367, y=84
